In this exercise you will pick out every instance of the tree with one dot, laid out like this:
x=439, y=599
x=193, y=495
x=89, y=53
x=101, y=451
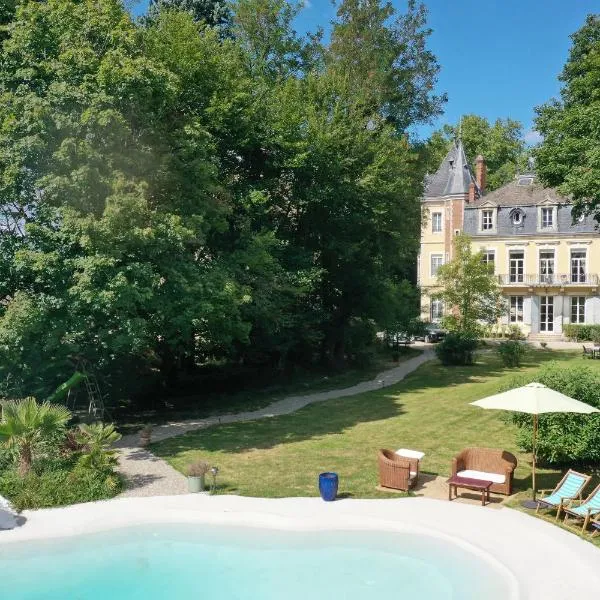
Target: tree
x=569, y=156
x=29, y=427
x=214, y=13
x=384, y=60
x=500, y=143
x=469, y=289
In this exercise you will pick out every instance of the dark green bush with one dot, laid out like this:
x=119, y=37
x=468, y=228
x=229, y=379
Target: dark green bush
x=582, y=333
x=457, y=349
x=564, y=439
x=511, y=353
x=57, y=483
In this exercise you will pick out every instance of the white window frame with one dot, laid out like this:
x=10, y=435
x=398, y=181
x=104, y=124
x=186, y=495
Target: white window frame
x=515, y=309
x=510, y=253
x=436, y=308
x=549, y=265
x=434, y=229
x=553, y=216
x=577, y=309
x=492, y=221
x=581, y=277
x=435, y=255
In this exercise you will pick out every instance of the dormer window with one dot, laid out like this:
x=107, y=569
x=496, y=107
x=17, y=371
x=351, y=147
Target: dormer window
x=547, y=218
x=516, y=217
x=487, y=220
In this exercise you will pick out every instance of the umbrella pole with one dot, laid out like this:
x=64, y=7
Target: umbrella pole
x=533, y=503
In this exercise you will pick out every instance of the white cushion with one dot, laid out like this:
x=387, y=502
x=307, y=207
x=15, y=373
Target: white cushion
x=406, y=453
x=493, y=477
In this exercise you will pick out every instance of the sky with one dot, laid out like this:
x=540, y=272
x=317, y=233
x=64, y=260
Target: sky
x=498, y=58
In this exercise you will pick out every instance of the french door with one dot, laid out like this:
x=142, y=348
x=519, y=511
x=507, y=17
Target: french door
x=547, y=313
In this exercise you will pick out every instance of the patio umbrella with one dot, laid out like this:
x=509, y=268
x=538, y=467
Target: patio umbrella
x=535, y=399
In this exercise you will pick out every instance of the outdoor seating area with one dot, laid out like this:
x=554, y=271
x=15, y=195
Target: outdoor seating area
x=486, y=464
x=593, y=352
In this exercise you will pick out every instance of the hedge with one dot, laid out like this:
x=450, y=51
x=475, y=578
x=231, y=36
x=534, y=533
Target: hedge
x=582, y=333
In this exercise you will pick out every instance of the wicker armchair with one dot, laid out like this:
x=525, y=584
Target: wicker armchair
x=487, y=460
x=397, y=472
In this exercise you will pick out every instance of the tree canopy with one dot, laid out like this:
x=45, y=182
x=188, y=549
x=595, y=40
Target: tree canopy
x=500, y=143
x=469, y=289
x=175, y=197
x=569, y=156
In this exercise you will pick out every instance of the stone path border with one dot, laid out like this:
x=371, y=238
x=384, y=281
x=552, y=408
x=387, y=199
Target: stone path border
x=148, y=475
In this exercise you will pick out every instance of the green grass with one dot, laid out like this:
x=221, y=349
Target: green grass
x=428, y=411
x=305, y=382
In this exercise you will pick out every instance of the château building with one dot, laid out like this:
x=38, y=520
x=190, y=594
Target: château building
x=546, y=263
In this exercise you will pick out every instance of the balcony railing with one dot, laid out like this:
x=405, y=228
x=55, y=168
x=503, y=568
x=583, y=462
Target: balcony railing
x=548, y=280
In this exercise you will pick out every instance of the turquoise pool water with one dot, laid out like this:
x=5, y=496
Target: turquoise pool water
x=219, y=563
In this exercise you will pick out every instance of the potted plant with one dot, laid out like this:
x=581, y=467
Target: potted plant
x=195, y=475
x=145, y=436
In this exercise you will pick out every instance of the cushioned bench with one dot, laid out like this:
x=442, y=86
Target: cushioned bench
x=486, y=464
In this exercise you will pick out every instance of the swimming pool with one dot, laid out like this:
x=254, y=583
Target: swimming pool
x=156, y=562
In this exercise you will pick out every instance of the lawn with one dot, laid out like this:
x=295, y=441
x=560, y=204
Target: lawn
x=429, y=411
x=199, y=406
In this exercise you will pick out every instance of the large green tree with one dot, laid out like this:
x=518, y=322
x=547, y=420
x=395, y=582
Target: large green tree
x=118, y=180
x=469, y=289
x=184, y=196
x=501, y=144
x=214, y=13
x=569, y=156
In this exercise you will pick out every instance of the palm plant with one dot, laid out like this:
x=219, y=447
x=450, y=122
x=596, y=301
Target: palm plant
x=27, y=426
x=97, y=440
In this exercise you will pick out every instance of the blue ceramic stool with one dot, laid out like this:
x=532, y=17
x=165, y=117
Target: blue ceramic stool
x=328, y=486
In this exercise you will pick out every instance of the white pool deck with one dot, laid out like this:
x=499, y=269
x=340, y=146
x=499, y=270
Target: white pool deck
x=545, y=562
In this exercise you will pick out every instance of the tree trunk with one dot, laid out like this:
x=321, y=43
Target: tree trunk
x=25, y=460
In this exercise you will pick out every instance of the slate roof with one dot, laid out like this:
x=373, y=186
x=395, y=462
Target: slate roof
x=453, y=177
x=513, y=194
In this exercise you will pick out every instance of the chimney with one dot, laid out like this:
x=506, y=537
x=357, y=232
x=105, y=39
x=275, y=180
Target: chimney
x=471, y=192
x=480, y=173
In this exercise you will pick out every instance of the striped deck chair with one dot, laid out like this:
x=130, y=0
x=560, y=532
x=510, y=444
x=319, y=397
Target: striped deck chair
x=586, y=510
x=569, y=488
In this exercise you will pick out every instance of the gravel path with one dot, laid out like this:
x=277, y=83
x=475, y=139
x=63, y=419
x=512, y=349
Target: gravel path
x=148, y=475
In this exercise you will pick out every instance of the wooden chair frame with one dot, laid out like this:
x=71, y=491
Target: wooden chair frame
x=588, y=517
x=563, y=501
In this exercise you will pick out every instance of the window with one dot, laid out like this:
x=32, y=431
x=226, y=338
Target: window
x=547, y=217
x=487, y=220
x=578, y=266
x=436, y=222
x=517, y=217
x=437, y=260
x=546, y=313
x=516, y=309
x=437, y=310
x=516, y=264
x=546, y=266
x=577, y=309
x=488, y=257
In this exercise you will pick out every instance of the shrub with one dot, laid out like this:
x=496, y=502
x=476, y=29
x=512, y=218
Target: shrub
x=456, y=349
x=564, y=439
x=582, y=333
x=515, y=333
x=511, y=353
x=58, y=483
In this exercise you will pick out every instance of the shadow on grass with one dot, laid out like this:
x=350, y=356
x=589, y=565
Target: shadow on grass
x=266, y=433
x=336, y=416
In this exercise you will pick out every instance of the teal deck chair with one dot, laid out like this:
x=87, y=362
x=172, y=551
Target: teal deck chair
x=586, y=510
x=569, y=488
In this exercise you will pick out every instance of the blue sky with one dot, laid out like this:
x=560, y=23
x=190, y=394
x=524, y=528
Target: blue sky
x=498, y=58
